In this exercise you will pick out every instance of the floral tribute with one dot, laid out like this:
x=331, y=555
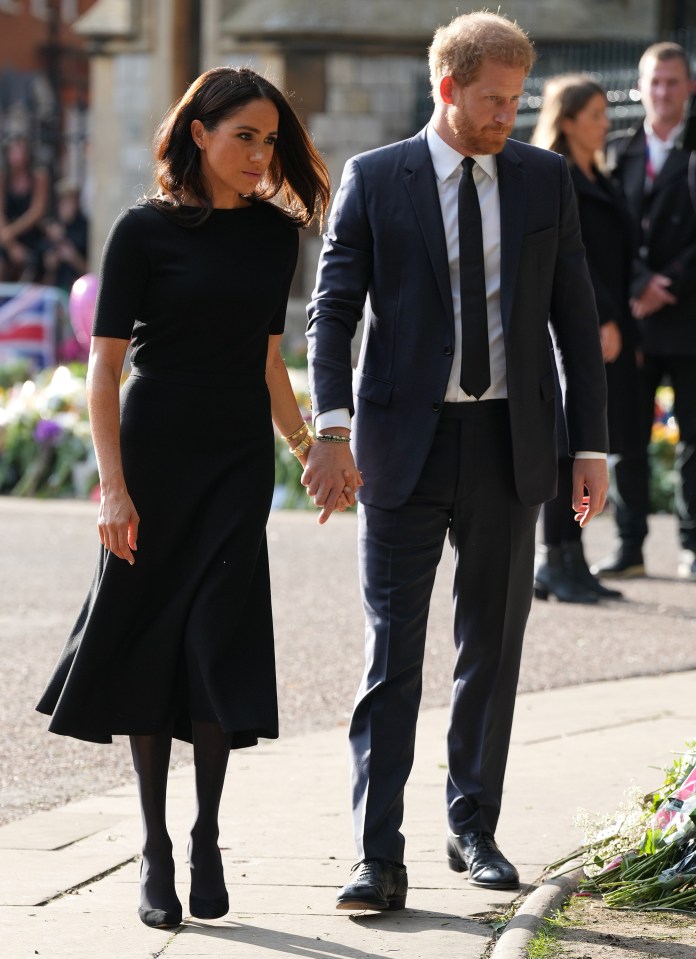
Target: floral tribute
x=45, y=443
x=664, y=442
x=645, y=858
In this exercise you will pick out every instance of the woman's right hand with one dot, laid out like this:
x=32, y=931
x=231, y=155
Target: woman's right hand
x=118, y=524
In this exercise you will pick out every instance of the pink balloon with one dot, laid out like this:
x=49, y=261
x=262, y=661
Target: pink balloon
x=83, y=297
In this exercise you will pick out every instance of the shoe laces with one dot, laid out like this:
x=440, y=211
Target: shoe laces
x=483, y=842
x=369, y=869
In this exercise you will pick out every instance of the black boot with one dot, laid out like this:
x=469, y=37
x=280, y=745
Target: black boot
x=550, y=576
x=576, y=565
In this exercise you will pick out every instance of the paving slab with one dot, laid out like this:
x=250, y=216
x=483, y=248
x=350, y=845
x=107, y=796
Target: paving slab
x=287, y=845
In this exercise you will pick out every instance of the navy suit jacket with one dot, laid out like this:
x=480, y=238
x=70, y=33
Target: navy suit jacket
x=385, y=259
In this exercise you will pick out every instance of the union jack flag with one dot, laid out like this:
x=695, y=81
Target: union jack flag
x=29, y=320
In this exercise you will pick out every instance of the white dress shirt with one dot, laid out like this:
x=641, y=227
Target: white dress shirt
x=658, y=150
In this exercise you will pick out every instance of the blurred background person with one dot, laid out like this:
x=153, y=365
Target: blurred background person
x=64, y=246
x=652, y=166
x=24, y=193
x=573, y=122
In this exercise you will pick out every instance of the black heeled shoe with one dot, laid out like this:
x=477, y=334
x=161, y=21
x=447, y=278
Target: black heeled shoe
x=206, y=907
x=157, y=917
x=201, y=908
x=160, y=918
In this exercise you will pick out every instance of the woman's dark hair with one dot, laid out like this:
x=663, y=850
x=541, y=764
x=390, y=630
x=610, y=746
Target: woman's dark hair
x=296, y=171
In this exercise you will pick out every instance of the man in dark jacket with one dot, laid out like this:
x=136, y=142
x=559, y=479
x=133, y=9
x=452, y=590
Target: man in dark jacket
x=652, y=166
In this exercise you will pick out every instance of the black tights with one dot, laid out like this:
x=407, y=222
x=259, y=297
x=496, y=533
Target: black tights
x=151, y=763
x=211, y=750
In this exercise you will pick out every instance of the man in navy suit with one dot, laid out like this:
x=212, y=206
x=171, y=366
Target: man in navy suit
x=457, y=247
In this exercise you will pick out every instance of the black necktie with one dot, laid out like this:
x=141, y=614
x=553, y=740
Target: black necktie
x=476, y=370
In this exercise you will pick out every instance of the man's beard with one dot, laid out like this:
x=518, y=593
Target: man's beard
x=474, y=140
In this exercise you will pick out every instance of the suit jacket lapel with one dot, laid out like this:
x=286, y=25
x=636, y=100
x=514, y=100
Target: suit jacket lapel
x=512, y=188
x=421, y=185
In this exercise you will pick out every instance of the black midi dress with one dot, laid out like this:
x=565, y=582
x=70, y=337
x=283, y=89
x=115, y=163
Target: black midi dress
x=186, y=633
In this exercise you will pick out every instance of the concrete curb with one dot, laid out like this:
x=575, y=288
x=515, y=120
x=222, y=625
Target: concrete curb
x=529, y=918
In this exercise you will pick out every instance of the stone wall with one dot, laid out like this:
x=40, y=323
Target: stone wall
x=400, y=19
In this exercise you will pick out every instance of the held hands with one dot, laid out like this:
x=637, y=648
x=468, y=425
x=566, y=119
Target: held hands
x=118, y=524
x=331, y=477
x=591, y=475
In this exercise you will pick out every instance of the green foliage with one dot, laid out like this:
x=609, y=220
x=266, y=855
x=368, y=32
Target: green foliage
x=545, y=945
x=16, y=371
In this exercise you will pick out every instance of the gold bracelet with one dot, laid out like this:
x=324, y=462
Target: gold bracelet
x=299, y=433
x=303, y=445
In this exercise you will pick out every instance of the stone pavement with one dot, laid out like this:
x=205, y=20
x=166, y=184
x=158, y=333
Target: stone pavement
x=69, y=877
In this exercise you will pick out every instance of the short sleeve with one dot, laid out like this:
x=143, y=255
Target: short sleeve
x=123, y=276
x=277, y=324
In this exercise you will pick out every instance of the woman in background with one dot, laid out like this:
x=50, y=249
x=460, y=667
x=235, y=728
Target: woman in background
x=24, y=197
x=573, y=121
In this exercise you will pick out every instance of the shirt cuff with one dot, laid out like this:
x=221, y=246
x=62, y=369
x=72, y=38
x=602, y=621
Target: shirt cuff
x=584, y=455
x=332, y=418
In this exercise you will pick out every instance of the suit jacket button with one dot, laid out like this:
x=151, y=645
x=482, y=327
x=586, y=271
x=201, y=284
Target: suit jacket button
x=449, y=350
x=436, y=407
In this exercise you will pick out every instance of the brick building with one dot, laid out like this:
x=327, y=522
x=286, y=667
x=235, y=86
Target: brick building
x=44, y=80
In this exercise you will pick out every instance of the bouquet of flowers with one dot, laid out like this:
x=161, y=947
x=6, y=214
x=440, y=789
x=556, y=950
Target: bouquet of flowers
x=45, y=444
x=646, y=858
x=663, y=443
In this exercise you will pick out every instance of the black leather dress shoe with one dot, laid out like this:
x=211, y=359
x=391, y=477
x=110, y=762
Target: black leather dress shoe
x=478, y=854
x=378, y=885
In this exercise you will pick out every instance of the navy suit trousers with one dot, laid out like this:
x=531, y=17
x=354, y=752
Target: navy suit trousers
x=465, y=492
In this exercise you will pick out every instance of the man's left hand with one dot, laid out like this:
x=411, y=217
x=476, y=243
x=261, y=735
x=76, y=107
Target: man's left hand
x=590, y=487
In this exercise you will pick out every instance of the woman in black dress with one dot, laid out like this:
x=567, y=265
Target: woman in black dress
x=573, y=121
x=175, y=637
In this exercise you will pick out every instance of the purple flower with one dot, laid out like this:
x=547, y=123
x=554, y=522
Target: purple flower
x=47, y=431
